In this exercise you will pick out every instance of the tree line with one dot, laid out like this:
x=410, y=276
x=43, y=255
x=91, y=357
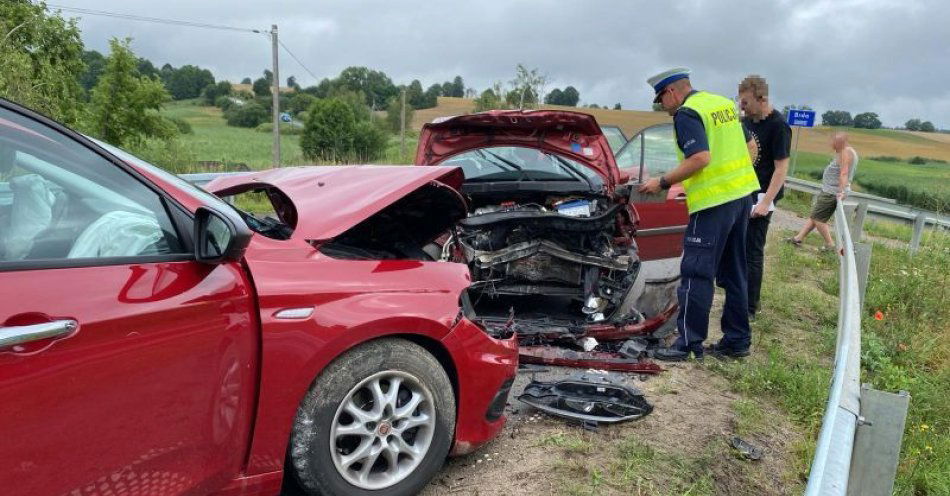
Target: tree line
x=869, y=120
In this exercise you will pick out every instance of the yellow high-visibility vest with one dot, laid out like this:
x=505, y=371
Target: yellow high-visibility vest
x=729, y=174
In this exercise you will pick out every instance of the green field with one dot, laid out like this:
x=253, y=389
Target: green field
x=925, y=186
x=214, y=140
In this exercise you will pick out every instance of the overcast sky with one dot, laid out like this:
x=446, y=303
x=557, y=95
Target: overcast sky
x=890, y=57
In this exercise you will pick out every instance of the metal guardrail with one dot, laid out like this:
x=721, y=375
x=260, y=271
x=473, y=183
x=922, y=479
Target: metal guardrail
x=831, y=467
x=877, y=205
x=859, y=443
x=202, y=178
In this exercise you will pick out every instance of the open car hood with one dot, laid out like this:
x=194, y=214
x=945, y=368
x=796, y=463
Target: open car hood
x=571, y=134
x=322, y=202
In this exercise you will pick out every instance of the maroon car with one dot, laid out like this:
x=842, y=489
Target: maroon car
x=559, y=245
x=155, y=340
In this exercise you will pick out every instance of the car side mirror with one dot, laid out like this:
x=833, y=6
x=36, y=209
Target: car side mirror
x=219, y=237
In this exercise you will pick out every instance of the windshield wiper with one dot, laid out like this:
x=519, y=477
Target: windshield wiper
x=570, y=167
x=511, y=164
x=505, y=163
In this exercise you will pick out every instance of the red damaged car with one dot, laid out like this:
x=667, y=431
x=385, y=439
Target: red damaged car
x=156, y=340
x=560, y=246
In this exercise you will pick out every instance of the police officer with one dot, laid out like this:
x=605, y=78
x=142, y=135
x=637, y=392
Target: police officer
x=717, y=173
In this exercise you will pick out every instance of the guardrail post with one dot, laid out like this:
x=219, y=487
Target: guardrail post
x=848, y=209
x=862, y=262
x=918, y=233
x=877, y=442
x=857, y=227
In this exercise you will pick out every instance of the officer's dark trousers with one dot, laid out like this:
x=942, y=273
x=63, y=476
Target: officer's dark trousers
x=714, y=250
x=755, y=256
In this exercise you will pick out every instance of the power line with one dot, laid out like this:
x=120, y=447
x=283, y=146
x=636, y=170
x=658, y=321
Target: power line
x=157, y=20
x=314, y=76
x=177, y=22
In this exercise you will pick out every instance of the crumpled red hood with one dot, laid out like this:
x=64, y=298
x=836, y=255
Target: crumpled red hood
x=571, y=134
x=326, y=201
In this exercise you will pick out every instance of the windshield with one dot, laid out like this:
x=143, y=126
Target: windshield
x=517, y=163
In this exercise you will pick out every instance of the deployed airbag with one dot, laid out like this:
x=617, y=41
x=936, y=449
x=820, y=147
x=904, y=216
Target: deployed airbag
x=117, y=234
x=31, y=213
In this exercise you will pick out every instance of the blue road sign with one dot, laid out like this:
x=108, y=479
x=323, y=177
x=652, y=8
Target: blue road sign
x=801, y=118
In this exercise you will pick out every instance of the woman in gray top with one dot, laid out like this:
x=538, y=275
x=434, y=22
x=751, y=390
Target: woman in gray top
x=835, y=185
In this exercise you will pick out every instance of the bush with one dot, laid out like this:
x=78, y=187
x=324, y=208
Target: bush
x=925, y=199
x=328, y=132
x=300, y=102
x=261, y=87
x=918, y=160
x=212, y=92
x=224, y=102
x=184, y=127
x=369, y=142
x=335, y=133
x=248, y=115
x=885, y=158
x=170, y=155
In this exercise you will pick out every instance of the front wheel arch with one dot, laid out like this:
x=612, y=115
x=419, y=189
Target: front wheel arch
x=312, y=458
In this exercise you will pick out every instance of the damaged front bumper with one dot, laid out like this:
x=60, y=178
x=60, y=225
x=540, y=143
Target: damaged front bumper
x=485, y=368
x=600, y=360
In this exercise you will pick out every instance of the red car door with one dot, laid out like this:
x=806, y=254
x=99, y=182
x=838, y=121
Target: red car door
x=125, y=366
x=662, y=224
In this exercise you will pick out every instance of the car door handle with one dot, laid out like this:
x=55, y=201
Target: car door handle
x=680, y=197
x=14, y=335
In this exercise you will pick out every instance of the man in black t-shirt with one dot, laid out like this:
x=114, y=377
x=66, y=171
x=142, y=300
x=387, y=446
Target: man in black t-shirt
x=773, y=138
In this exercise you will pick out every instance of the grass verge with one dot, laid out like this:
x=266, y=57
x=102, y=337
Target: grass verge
x=905, y=346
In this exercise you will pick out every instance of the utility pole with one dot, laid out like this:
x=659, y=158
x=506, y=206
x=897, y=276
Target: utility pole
x=402, y=126
x=276, y=96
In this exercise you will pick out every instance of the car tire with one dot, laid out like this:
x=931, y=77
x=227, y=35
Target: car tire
x=403, y=435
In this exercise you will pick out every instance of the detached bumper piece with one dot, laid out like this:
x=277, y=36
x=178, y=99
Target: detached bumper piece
x=599, y=360
x=588, y=398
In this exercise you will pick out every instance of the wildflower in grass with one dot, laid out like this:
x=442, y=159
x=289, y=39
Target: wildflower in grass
x=878, y=315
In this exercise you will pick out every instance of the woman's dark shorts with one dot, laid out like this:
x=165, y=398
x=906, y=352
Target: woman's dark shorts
x=824, y=207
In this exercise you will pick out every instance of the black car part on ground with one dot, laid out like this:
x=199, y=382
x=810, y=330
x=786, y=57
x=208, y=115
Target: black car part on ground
x=587, y=398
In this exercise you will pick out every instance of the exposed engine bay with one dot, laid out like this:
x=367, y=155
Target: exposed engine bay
x=559, y=260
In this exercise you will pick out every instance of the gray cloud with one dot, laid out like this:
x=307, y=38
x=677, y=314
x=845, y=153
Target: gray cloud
x=888, y=57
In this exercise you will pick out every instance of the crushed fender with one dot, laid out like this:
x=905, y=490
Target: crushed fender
x=548, y=355
x=588, y=398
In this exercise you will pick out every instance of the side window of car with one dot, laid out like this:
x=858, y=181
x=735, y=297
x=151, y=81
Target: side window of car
x=657, y=147
x=60, y=201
